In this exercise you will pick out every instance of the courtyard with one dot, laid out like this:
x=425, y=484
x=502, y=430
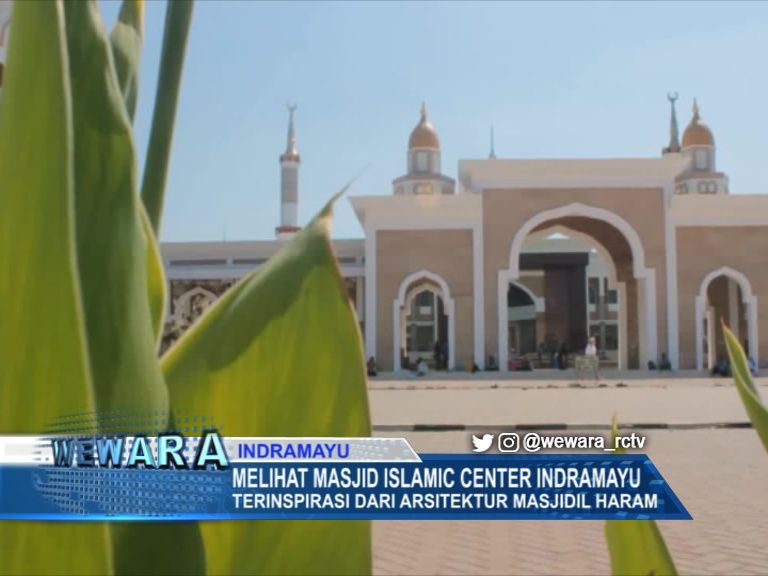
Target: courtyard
x=697, y=437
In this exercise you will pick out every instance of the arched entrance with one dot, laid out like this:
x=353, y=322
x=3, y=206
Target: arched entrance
x=628, y=289
x=191, y=305
x=591, y=306
x=524, y=308
x=724, y=294
x=423, y=322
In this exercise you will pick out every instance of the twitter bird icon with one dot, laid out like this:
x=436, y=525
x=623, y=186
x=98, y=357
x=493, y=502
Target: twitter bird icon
x=482, y=444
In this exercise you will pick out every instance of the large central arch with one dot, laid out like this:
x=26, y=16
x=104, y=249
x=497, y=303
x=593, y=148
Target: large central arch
x=578, y=209
x=645, y=277
x=613, y=277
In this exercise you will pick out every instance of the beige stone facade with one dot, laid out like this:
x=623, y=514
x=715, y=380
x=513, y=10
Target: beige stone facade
x=516, y=263
x=702, y=249
x=446, y=253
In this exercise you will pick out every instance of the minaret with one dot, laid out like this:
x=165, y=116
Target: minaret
x=698, y=147
x=674, y=138
x=492, y=155
x=289, y=183
x=424, y=175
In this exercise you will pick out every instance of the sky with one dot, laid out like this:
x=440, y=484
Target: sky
x=556, y=80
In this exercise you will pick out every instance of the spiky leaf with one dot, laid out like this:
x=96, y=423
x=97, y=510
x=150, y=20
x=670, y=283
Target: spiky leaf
x=637, y=547
x=126, y=41
x=178, y=17
x=750, y=396
x=112, y=264
x=43, y=358
x=280, y=355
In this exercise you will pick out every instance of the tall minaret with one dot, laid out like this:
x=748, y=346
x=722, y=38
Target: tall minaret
x=289, y=183
x=674, y=139
x=492, y=154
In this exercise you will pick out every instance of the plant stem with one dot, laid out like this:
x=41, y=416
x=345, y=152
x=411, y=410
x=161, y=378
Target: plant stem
x=178, y=17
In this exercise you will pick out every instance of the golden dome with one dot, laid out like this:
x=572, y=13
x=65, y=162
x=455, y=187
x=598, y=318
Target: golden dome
x=697, y=133
x=424, y=135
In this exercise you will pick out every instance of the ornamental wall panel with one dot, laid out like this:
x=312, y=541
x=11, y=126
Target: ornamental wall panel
x=447, y=253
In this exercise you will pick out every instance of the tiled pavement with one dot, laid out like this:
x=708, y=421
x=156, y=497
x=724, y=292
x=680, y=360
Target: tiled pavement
x=535, y=402
x=721, y=475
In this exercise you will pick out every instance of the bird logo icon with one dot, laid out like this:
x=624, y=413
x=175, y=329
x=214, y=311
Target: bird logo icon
x=482, y=444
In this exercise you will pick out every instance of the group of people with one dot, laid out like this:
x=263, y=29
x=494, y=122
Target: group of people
x=589, y=361
x=663, y=365
x=723, y=366
x=559, y=356
x=418, y=368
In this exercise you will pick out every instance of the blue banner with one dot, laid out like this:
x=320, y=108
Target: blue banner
x=440, y=486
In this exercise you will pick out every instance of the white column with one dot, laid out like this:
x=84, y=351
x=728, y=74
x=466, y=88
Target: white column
x=751, y=310
x=478, y=290
x=733, y=306
x=621, y=289
x=451, y=335
x=673, y=332
x=370, y=291
x=359, y=297
x=648, y=332
x=397, y=318
x=699, y=311
x=503, y=322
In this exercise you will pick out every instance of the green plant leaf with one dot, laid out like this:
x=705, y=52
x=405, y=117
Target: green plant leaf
x=280, y=354
x=157, y=288
x=178, y=17
x=750, y=395
x=43, y=355
x=111, y=246
x=112, y=264
x=126, y=42
x=637, y=547
x=126, y=39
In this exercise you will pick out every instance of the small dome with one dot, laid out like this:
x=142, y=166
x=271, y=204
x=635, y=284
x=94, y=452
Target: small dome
x=697, y=133
x=424, y=135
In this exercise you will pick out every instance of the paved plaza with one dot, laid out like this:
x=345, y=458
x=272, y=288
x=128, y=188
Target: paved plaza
x=719, y=471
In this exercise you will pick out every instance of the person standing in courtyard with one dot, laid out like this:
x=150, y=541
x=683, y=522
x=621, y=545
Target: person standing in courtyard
x=591, y=356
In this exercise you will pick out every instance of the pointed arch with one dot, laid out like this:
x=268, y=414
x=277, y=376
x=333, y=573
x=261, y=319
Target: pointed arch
x=399, y=308
x=646, y=277
x=577, y=209
x=182, y=302
x=750, y=304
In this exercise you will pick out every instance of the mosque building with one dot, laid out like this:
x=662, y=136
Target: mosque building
x=518, y=258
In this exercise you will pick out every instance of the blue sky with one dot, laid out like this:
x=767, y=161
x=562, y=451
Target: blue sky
x=555, y=80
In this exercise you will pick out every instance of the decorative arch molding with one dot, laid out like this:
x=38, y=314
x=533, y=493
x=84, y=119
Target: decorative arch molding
x=646, y=277
x=577, y=209
x=750, y=305
x=182, y=303
x=613, y=278
x=437, y=285
x=586, y=238
x=537, y=301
